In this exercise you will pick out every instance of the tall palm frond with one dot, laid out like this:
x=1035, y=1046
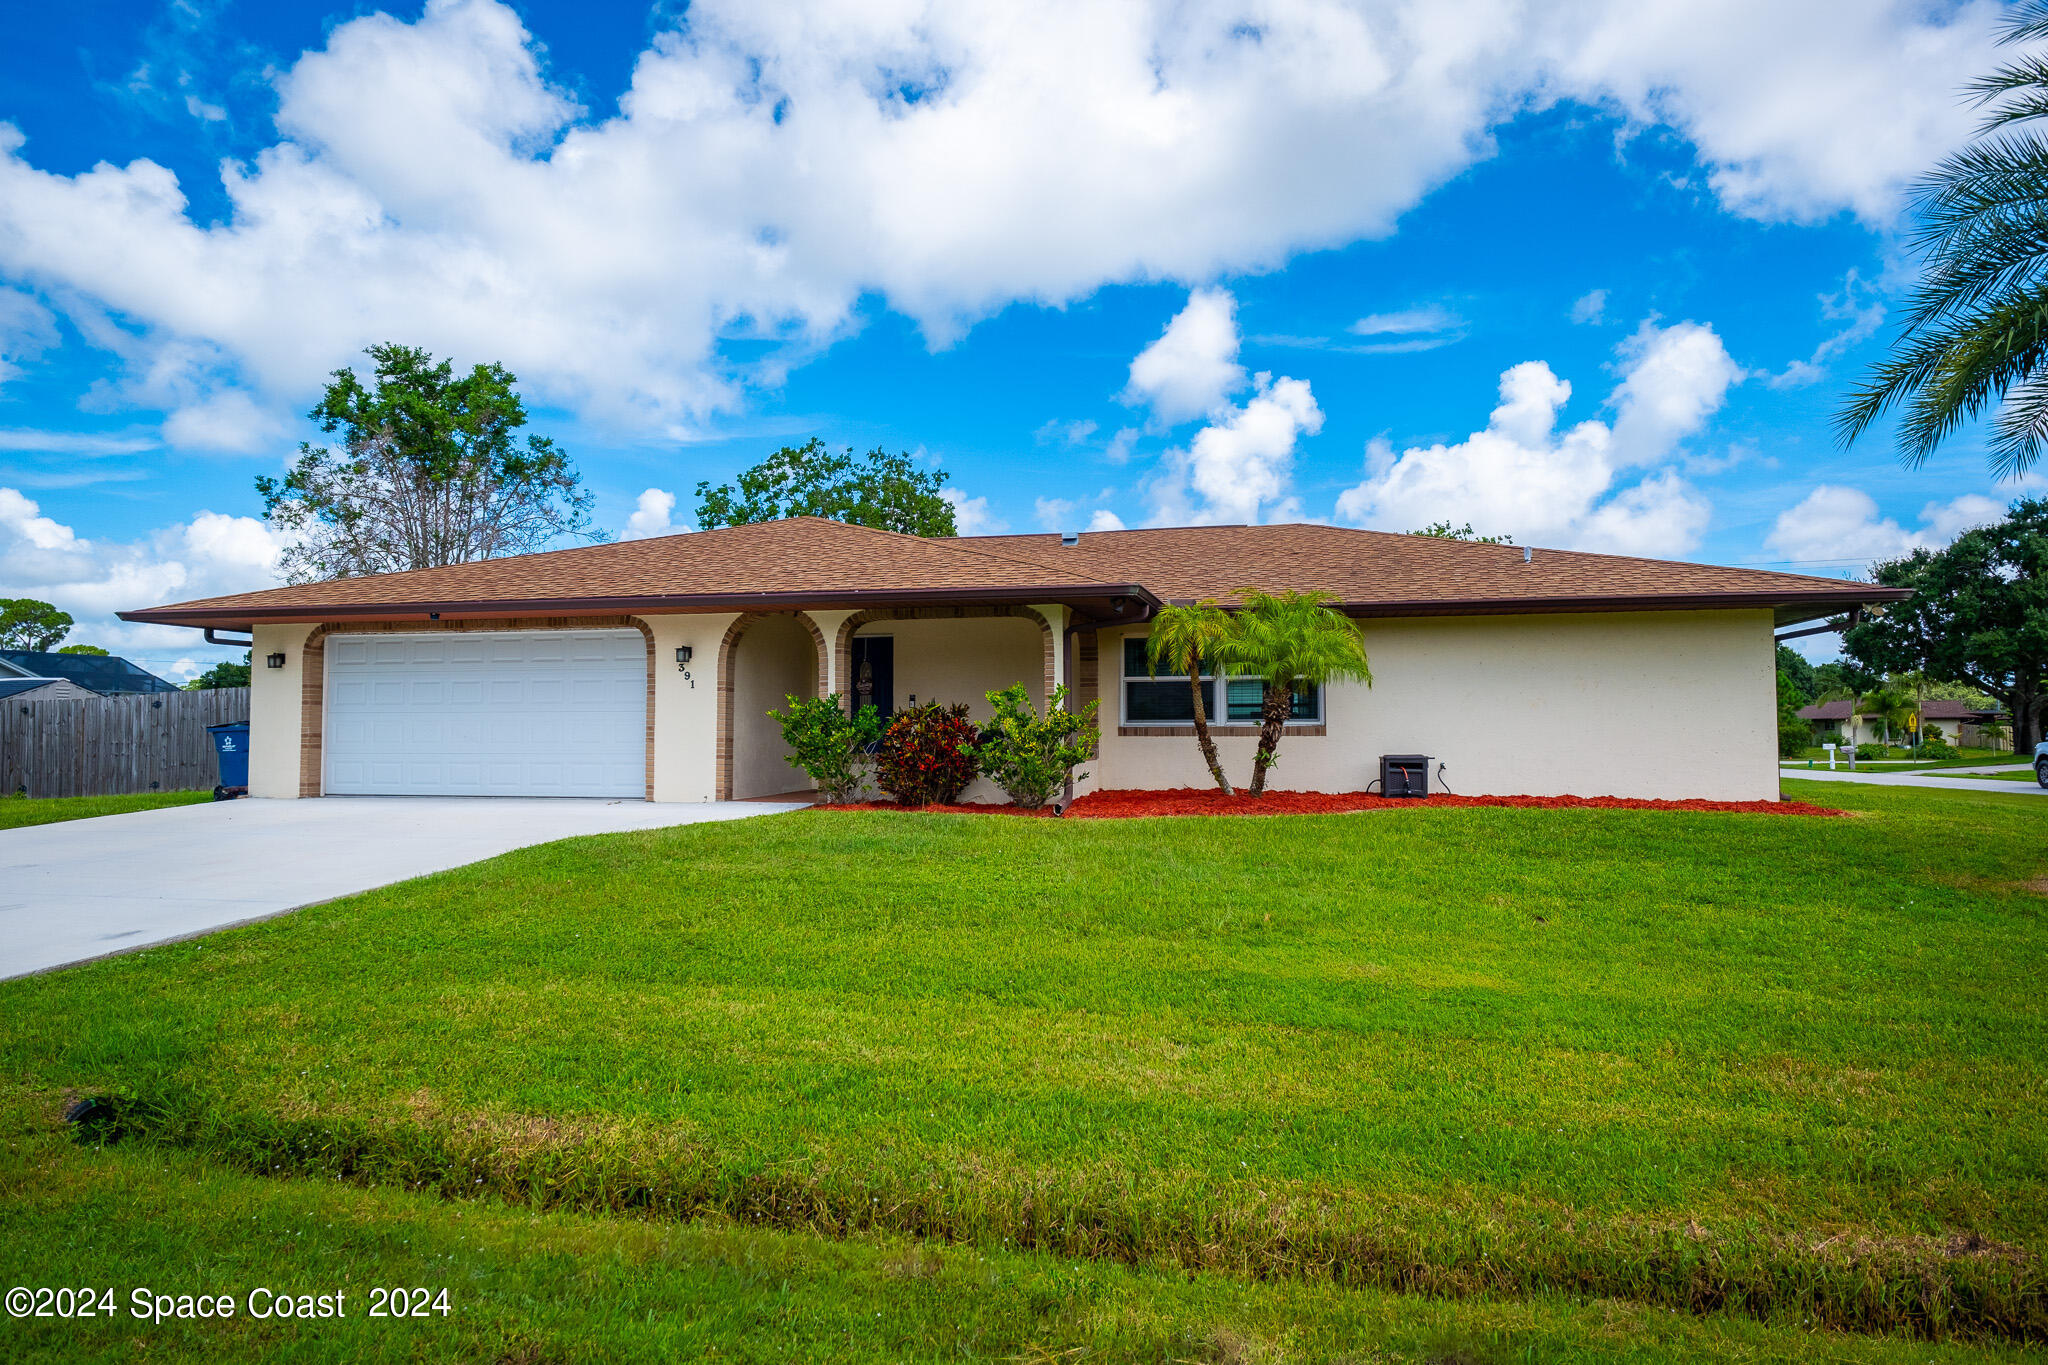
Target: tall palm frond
x=1975, y=335
x=1289, y=640
x=1182, y=639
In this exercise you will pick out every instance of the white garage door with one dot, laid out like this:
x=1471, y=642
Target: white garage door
x=488, y=713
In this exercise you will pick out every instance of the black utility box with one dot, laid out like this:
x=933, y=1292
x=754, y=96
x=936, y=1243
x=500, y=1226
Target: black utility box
x=1404, y=774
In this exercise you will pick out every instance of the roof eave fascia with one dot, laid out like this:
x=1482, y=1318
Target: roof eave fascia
x=243, y=617
x=1806, y=605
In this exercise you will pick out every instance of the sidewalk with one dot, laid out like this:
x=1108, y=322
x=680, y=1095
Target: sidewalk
x=1872, y=779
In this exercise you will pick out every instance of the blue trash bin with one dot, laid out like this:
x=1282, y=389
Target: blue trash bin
x=231, y=748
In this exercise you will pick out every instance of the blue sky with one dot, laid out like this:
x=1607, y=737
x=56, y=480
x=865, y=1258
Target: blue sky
x=1207, y=262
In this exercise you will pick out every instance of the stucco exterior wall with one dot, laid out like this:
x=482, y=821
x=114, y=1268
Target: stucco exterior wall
x=772, y=662
x=963, y=660
x=686, y=705
x=275, y=695
x=1662, y=705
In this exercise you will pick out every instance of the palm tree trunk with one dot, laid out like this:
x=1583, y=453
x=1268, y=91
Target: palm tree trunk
x=1202, y=737
x=1272, y=722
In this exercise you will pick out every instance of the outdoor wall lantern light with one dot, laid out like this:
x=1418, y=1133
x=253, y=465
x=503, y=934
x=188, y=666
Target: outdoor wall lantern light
x=683, y=653
x=274, y=660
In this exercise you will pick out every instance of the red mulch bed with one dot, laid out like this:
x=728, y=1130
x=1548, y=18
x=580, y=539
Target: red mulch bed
x=1126, y=805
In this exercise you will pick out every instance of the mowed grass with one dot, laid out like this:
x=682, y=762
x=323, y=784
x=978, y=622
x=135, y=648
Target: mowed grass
x=1788, y=1067
x=526, y=1286
x=17, y=811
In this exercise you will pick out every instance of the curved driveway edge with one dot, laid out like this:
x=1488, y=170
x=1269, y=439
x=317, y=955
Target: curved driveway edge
x=1952, y=784
x=83, y=889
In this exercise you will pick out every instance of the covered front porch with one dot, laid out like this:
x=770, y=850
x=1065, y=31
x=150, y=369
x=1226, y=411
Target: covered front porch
x=892, y=658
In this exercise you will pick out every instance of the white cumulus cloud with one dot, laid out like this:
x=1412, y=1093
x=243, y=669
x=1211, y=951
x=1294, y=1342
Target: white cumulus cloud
x=1836, y=525
x=971, y=516
x=1239, y=467
x=210, y=555
x=1523, y=477
x=652, y=515
x=1193, y=366
x=773, y=165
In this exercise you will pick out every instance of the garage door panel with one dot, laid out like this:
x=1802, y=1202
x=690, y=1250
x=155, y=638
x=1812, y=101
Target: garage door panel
x=557, y=713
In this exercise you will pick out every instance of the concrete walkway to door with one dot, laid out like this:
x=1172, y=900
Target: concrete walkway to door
x=82, y=889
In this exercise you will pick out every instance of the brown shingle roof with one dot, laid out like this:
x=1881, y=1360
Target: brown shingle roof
x=1934, y=708
x=815, y=562
x=1393, y=573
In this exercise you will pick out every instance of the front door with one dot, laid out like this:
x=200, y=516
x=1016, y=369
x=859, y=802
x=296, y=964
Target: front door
x=874, y=673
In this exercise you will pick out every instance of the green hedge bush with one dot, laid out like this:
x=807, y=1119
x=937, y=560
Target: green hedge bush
x=835, y=749
x=1031, y=756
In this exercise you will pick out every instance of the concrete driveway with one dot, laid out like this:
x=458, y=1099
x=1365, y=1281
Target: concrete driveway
x=82, y=889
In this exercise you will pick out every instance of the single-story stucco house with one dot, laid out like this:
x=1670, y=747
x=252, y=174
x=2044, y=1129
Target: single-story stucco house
x=647, y=668
x=1960, y=722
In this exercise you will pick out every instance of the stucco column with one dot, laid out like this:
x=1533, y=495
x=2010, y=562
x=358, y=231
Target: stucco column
x=276, y=710
x=686, y=705
x=828, y=623
x=1055, y=616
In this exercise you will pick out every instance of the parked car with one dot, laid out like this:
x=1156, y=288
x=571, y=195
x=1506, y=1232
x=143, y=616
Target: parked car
x=2041, y=764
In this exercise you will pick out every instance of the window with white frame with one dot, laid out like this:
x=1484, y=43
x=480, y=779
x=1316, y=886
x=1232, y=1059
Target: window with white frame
x=1166, y=700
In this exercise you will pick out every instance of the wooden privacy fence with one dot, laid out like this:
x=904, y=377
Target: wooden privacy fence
x=110, y=746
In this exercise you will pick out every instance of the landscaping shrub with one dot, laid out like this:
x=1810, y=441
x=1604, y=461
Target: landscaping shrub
x=1031, y=756
x=1939, y=748
x=927, y=755
x=1795, y=736
x=835, y=749
x=1865, y=752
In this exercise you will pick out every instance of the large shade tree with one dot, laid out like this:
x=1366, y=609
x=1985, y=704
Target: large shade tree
x=1288, y=641
x=430, y=470
x=1978, y=616
x=1183, y=638
x=26, y=623
x=887, y=492
x=1975, y=337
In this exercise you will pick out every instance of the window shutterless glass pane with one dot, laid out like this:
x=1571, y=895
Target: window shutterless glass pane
x=1164, y=703
x=1246, y=698
x=1135, y=665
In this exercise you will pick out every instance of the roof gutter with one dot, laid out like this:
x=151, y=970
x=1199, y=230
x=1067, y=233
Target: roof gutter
x=219, y=617
x=1701, y=601
x=1854, y=617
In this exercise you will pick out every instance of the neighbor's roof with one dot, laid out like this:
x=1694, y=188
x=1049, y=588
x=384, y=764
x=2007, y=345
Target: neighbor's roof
x=14, y=687
x=811, y=562
x=104, y=673
x=1934, y=708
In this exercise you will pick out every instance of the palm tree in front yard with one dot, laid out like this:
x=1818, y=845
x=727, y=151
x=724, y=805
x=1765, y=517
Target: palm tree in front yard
x=1976, y=328
x=1182, y=638
x=1290, y=640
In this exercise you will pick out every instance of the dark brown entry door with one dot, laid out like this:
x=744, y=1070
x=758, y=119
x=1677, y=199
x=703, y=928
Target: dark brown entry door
x=874, y=673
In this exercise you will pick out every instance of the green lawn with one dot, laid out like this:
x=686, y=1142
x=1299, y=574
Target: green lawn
x=566, y=1288
x=1700, y=1064
x=16, y=811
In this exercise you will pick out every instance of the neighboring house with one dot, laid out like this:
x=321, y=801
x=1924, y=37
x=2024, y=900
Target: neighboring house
x=1960, y=721
x=101, y=673
x=646, y=668
x=42, y=689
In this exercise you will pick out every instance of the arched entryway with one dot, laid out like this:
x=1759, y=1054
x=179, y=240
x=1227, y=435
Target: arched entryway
x=765, y=659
